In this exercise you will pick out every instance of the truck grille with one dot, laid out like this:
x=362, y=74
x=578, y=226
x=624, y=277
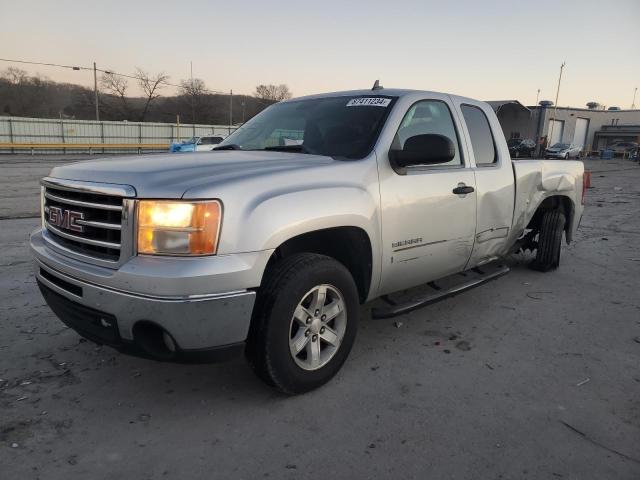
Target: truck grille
x=88, y=223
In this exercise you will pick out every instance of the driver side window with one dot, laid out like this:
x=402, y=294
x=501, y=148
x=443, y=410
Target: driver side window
x=429, y=117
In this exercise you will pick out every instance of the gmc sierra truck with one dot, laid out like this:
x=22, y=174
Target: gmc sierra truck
x=268, y=244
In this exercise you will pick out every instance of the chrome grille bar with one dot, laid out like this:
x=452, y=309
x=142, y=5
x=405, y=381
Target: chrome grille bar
x=88, y=241
x=108, y=226
x=80, y=203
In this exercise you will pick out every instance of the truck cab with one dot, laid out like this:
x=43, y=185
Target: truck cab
x=465, y=218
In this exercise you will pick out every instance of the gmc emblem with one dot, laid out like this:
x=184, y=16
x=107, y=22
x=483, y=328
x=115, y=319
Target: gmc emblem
x=59, y=217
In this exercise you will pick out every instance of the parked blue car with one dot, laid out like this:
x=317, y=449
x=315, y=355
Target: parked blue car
x=196, y=144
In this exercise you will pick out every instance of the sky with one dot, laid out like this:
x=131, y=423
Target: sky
x=484, y=49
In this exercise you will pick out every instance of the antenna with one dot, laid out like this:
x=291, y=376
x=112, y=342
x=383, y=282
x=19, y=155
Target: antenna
x=377, y=86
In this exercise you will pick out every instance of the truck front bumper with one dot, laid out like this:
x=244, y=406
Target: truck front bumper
x=147, y=321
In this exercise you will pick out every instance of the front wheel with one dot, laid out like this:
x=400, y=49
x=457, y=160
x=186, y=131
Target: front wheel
x=549, y=241
x=304, y=323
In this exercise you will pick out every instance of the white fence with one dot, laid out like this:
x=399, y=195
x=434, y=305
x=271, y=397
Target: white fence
x=19, y=134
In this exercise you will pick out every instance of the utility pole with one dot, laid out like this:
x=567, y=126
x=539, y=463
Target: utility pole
x=193, y=107
x=633, y=104
x=95, y=90
x=555, y=106
x=537, y=97
x=230, y=110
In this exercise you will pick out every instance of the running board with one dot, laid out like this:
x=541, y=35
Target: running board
x=440, y=289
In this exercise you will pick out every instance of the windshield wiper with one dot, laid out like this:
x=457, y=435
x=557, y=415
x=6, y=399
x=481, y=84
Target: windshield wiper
x=231, y=146
x=289, y=148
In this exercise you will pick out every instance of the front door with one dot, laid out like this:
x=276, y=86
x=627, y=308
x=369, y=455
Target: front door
x=427, y=229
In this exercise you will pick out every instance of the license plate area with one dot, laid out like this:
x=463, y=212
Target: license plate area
x=97, y=326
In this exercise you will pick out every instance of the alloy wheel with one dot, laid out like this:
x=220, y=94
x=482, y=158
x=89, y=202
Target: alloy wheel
x=317, y=327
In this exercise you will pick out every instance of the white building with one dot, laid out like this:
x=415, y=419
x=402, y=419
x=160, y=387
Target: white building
x=594, y=128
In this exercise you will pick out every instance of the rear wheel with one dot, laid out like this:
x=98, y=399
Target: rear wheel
x=549, y=241
x=305, y=322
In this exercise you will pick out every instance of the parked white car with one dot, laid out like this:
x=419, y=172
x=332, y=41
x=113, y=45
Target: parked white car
x=563, y=150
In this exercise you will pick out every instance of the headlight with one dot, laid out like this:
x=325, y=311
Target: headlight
x=167, y=227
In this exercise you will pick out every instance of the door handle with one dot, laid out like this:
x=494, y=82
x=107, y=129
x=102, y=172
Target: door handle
x=463, y=189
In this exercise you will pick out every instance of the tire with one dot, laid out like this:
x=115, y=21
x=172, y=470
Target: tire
x=274, y=328
x=549, y=241
x=566, y=156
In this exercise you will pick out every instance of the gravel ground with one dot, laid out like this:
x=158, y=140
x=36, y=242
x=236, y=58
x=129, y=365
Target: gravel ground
x=532, y=376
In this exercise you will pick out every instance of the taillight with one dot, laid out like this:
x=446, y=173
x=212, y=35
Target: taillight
x=586, y=183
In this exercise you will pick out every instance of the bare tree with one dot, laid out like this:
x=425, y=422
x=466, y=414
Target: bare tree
x=18, y=80
x=273, y=92
x=15, y=76
x=194, y=89
x=117, y=86
x=150, y=85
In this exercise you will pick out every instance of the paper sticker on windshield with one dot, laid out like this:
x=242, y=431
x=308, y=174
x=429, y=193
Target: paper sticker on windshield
x=369, y=102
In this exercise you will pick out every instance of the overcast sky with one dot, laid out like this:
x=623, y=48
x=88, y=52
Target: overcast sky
x=491, y=50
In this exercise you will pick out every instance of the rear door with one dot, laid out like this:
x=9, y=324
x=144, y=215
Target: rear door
x=493, y=171
x=427, y=229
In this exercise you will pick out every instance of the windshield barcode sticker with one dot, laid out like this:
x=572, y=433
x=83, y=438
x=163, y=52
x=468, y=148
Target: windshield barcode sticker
x=369, y=102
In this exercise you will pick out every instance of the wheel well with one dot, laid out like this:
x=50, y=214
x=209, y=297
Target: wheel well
x=552, y=203
x=348, y=245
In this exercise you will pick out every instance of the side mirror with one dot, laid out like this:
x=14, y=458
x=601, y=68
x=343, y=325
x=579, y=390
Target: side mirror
x=427, y=149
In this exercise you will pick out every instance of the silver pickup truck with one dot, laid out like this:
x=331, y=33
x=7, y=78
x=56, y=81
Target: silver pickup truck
x=270, y=243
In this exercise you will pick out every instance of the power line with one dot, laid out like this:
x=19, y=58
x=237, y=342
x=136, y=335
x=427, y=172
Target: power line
x=72, y=67
x=108, y=72
x=138, y=78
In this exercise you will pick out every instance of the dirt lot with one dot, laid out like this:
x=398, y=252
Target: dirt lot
x=532, y=376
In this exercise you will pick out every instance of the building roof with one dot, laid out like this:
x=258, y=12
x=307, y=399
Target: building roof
x=498, y=104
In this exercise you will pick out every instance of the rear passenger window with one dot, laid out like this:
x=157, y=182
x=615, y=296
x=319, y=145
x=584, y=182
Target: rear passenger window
x=429, y=116
x=484, y=149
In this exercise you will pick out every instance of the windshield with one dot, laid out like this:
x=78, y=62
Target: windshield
x=191, y=140
x=514, y=142
x=335, y=126
x=562, y=146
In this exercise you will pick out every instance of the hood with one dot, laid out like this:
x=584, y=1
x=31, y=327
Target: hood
x=171, y=176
